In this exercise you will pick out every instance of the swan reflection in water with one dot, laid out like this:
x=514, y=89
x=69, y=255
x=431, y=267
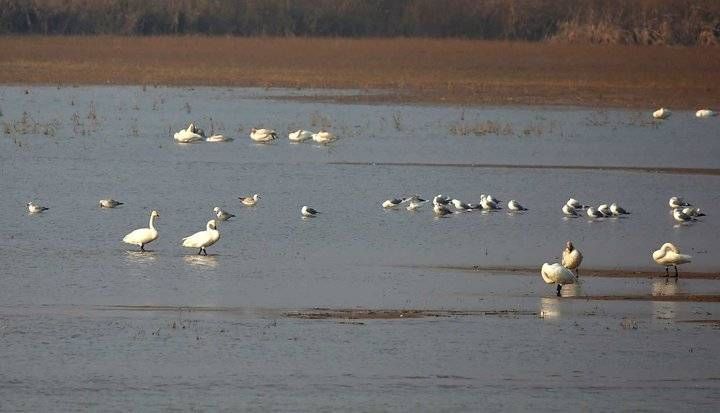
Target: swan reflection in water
x=550, y=308
x=201, y=261
x=663, y=287
x=140, y=257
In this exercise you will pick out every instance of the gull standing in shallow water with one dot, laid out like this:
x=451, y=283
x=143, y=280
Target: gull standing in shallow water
x=693, y=212
x=677, y=202
x=203, y=239
x=681, y=216
x=249, y=200
x=617, y=210
x=569, y=210
x=415, y=202
x=440, y=210
x=143, y=236
x=669, y=256
x=34, y=208
x=556, y=274
x=514, y=205
x=109, y=203
x=222, y=215
x=306, y=211
x=572, y=258
x=593, y=213
x=392, y=203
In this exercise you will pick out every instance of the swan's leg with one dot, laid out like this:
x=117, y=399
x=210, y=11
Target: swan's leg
x=204, y=251
x=142, y=247
x=200, y=252
x=559, y=287
x=577, y=272
x=676, y=271
x=667, y=271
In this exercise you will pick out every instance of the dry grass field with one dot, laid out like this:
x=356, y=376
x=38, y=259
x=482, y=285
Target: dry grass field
x=415, y=70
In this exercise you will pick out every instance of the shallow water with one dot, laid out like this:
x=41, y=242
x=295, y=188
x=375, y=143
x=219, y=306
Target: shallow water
x=69, y=342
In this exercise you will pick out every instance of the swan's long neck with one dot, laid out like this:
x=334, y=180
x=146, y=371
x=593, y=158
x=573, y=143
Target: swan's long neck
x=152, y=221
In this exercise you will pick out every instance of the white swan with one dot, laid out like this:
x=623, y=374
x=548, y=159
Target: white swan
x=669, y=256
x=249, y=200
x=514, y=205
x=572, y=258
x=662, y=113
x=188, y=135
x=218, y=138
x=203, y=239
x=705, y=113
x=556, y=274
x=34, y=208
x=618, y=210
x=143, y=236
x=222, y=215
x=306, y=211
x=323, y=137
x=569, y=210
x=300, y=135
x=262, y=135
x=109, y=203
x=677, y=202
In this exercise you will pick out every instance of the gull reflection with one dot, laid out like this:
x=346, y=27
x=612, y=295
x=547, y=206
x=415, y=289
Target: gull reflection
x=201, y=261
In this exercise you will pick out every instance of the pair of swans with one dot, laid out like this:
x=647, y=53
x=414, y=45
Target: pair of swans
x=561, y=273
x=201, y=239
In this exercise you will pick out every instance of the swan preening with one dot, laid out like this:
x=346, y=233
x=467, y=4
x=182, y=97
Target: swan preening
x=249, y=200
x=572, y=258
x=203, y=239
x=669, y=256
x=218, y=138
x=662, y=113
x=323, y=137
x=34, y=208
x=306, y=211
x=189, y=135
x=556, y=274
x=300, y=135
x=143, y=236
x=263, y=135
x=109, y=203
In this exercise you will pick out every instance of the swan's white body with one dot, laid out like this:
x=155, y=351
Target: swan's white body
x=669, y=256
x=300, y=135
x=556, y=274
x=109, y=203
x=249, y=200
x=569, y=210
x=34, y=208
x=187, y=135
x=705, y=113
x=218, y=138
x=306, y=211
x=222, y=215
x=677, y=202
x=323, y=137
x=662, y=113
x=514, y=205
x=262, y=135
x=571, y=257
x=203, y=239
x=143, y=236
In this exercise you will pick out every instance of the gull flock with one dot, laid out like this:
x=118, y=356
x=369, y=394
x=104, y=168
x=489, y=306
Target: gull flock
x=668, y=255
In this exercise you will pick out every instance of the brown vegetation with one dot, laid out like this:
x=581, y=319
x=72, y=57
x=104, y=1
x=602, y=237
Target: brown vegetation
x=686, y=22
x=451, y=70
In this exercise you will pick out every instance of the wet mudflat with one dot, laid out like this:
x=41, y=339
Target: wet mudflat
x=359, y=308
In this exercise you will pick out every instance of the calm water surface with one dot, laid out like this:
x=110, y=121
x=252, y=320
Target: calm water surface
x=210, y=332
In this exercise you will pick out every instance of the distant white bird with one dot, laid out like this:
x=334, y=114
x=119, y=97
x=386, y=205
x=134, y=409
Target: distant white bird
x=705, y=113
x=662, y=113
x=109, y=203
x=693, y=212
x=218, y=138
x=143, y=236
x=323, y=137
x=569, y=210
x=460, y=205
x=681, y=216
x=572, y=258
x=203, y=239
x=593, y=213
x=188, y=135
x=440, y=210
x=677, y=202
x=556, y=274
x=34, y=208
x=249, y=200
x=415, y=202
x=487, y=203
x=222, y=215
x=605, y=210
x=262, y=135
x=300, y=135
x=669, y=256
x=574, y=203
x=514, y=205
x=392, y=203
x=441, y=200
x=617, y=210
x=306, y=211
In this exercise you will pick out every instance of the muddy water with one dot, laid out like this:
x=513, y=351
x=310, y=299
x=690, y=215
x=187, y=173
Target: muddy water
x=86, y=322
